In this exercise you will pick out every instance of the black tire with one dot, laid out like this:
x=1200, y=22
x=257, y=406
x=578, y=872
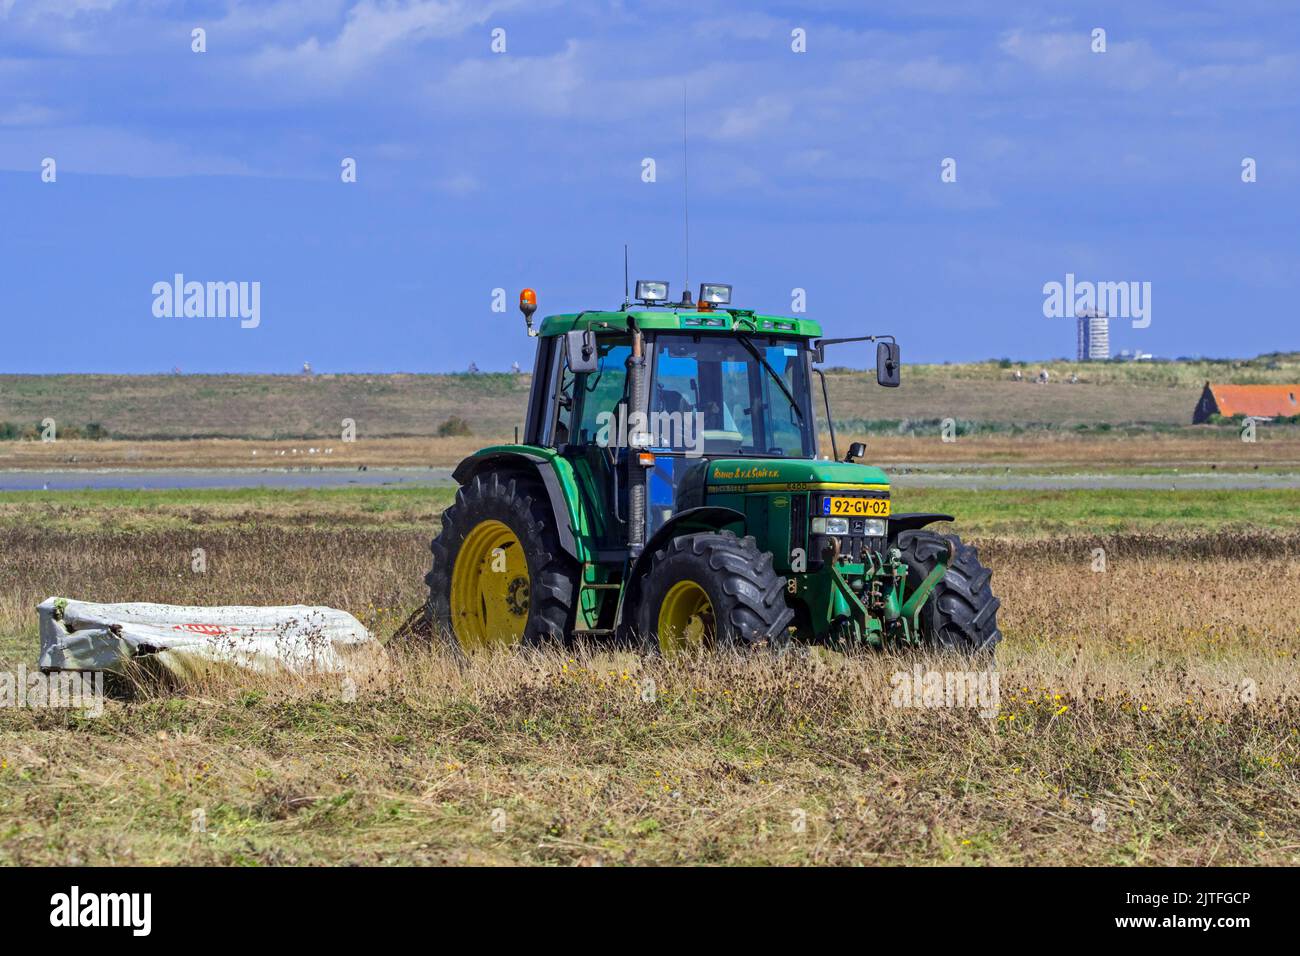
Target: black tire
x=522, y=506
x=961, y=613
x=746, y=593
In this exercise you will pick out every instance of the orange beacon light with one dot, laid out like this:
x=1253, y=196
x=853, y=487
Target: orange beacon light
x=528, y=305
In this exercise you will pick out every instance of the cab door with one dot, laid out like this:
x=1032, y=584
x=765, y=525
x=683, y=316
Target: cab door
x=597, y=437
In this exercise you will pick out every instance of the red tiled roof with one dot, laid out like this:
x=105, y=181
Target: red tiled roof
x=1265, y=401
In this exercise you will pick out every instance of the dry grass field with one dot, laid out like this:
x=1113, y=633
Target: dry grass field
x=1106, y=393
x=1118, y=416
x=242, y=453
x=265, y=406
x=1149, y=714
x=1195, y=448
x=295, y=407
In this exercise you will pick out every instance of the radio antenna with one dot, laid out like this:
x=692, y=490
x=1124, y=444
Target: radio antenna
x=686, y=198
x=626, y=299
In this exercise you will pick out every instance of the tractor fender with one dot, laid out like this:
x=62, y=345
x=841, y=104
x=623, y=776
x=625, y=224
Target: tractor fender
x=545, y=470
x=705, y=518
x=910, y=521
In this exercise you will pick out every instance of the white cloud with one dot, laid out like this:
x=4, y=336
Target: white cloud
x=97, y=150
x=400, y=152
x=372, y=29
x=65, y=26
x=576, y=82
x=1127, y=64
x=932, y=74
x=1048, y=51
x=62, y=9
x=27, y=114
x=264, y=19
x=1264, y=75
x=759, y=117
x=459, y=184
x=748, y=25
x=548, y=85
x=861, y=79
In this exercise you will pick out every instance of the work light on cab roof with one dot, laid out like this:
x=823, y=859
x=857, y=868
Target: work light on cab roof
x=713, y=293
x=651, y=291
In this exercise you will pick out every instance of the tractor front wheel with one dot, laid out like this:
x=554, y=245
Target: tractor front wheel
x=499, y=575
x=711, y=590
x=961, y=613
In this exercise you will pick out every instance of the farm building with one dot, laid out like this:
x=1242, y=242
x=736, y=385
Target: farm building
x=1251, y=401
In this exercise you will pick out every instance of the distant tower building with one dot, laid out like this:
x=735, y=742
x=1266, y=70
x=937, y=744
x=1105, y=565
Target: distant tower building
x=1094, y=336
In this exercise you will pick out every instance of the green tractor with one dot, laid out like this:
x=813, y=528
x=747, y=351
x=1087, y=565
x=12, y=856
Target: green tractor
x=668, y=492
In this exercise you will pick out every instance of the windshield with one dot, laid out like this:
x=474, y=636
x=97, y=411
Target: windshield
x=736, y=402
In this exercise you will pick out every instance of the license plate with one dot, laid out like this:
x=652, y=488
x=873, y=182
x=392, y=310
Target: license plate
x=837, y=506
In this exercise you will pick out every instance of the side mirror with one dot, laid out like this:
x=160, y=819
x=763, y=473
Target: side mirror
x=580, y=350
x=888, y=366
x=856, y=450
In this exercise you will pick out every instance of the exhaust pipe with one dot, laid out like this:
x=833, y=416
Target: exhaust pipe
x=636, y=483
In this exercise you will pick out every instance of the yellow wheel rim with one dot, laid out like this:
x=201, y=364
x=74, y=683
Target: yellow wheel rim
x=490, y=588
x=685, y=619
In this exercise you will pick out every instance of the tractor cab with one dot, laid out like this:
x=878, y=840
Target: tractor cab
x=717, y=383
x=670, y=489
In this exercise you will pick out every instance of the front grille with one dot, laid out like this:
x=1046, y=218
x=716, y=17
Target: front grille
x=858, y=543
x=798, y=522
x=856, y=547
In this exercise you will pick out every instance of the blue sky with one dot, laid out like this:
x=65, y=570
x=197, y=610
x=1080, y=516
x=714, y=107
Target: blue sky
x=477, y=170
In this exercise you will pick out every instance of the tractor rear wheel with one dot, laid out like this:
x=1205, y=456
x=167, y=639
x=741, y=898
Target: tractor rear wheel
x=961, y=613
x=499, y=575
x=711, y=590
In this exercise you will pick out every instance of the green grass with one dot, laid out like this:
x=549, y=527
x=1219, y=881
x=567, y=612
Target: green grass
x=1047, y=513
x=981, y=512
x=132, y=511
x=378, y=498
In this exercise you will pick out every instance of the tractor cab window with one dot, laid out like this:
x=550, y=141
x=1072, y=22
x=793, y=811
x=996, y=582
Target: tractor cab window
x=601, y=392
x=564, y=390
x=743, y=395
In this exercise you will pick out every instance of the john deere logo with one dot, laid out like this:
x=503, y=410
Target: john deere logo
x=780, y=502
x=738, y=473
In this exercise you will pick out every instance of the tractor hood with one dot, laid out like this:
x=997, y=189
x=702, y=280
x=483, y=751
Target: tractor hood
x=774, y=474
